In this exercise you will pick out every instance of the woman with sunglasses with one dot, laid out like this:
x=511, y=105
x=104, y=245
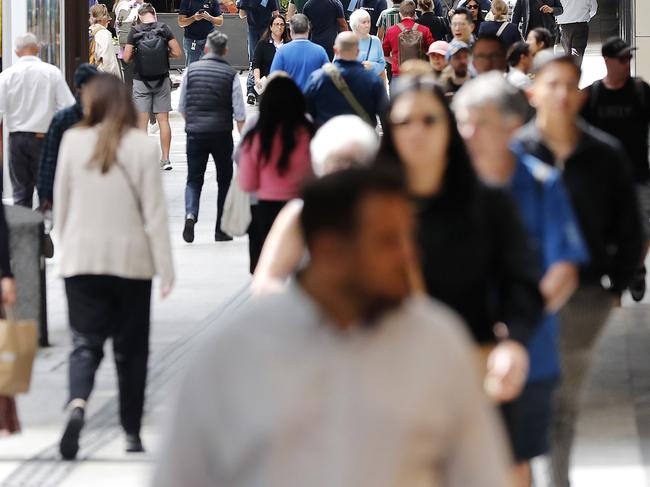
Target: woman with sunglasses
x=477, y=15
x=474, y=249
x=275, y=36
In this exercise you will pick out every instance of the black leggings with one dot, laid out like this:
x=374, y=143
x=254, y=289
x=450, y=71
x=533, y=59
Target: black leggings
x=263, y=214
x=102, y=307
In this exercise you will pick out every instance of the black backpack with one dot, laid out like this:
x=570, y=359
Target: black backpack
x=151, y=53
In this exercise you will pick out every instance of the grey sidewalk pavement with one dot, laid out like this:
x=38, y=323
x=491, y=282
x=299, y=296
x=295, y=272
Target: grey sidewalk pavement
x=613, y=445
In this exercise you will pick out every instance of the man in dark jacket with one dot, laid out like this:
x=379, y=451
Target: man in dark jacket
x=211, y=97
x=620, y=105
x=598, y=178
x=62, y=121
x=537, y=13
x=325, y=100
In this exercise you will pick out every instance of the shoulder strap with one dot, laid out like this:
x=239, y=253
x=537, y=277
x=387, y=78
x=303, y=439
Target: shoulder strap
x=401, y=27
x=593, y=95
x=134, y=191
x=639, y=86
x=502, y=28
x=369, y=47
x=340, y=84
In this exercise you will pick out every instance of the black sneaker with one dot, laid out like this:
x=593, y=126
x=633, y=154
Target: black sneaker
x=220, y=236
x=251, y=99
x=638, y=286
x=69, y=445
x=188, y=231
x=133, y=443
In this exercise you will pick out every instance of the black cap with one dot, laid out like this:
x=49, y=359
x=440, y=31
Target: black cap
x=616, y=47
x=84, y=73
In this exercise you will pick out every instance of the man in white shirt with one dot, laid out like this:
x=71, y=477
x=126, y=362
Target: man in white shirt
x=574, y=26
x=31, y=92
x=520, y=62
x=344, y=379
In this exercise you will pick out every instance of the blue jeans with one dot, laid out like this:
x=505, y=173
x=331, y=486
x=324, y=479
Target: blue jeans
x=199, y=148
x=253, y=39
x=195, y=54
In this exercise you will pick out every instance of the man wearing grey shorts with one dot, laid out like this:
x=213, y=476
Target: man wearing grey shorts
x=150, y=44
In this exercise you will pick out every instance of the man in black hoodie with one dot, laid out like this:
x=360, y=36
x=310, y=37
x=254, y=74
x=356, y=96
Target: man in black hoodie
x=598, y=177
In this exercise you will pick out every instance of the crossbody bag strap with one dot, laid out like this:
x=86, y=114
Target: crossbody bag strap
x=502, y=28
x=340, y=84
x=369, y=47
x=134, y=191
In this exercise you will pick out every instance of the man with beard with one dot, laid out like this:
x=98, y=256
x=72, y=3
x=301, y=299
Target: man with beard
x=343, y=378
x=457, y=71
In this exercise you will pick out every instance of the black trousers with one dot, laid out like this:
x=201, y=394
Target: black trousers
x=24, y=156
x=102, y=307
x=263, y=214
x=574, y=39
x=199, y=148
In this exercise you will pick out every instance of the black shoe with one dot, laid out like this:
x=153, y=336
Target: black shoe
x=69, y=445
x=133, y=443
x=251, y=99
x=188, y=231
x=637, y=287
x=220, y=236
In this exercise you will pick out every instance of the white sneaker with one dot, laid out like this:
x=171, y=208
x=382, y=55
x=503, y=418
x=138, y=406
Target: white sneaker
x=166, y=165
x=154, y=128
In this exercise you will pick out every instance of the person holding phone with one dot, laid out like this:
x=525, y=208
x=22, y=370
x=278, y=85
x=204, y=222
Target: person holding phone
x=198, y=18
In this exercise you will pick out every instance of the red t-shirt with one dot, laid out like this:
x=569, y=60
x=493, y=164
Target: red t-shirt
x=391, y=41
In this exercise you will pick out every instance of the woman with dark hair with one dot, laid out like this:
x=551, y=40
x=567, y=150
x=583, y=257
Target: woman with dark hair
x=111, y=218
x=274, y=157
x=474, y=249
x=539, y=39
x=273, y=37
x=477, y=14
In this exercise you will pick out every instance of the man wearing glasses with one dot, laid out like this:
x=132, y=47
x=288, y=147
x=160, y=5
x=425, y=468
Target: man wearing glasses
x=620, y=105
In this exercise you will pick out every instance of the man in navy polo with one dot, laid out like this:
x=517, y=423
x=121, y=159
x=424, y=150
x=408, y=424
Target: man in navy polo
x=198, y=18
x=258, y=15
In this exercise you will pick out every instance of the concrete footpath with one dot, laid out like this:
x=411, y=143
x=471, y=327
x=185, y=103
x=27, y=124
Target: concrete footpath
x=613, y=447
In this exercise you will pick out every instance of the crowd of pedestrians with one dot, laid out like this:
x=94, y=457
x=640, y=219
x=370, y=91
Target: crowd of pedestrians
x=440, y=261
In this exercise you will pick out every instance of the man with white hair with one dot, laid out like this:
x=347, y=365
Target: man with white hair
x=489, y=110
x=31, y=92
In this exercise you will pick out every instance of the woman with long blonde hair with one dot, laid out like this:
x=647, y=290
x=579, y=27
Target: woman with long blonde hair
x=111, y=218
x=103, y=54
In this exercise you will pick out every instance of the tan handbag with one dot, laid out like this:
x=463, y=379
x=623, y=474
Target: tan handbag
x=18, y=345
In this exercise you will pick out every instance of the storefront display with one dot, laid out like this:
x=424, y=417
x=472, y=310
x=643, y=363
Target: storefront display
x=44, y=20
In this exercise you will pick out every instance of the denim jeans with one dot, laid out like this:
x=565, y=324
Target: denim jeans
x=195, y=54
x=253, y=39
x=199, y=148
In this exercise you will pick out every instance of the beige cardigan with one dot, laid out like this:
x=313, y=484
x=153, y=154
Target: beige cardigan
x=100, y=228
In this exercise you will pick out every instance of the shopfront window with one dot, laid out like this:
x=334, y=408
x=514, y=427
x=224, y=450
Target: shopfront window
x=44, y=20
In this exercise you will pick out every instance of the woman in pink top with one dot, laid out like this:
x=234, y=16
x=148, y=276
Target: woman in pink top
x=274, y=158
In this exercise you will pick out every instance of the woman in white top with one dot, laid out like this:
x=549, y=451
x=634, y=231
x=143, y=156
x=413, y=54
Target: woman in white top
x=111, y=218
x=103, y=53
x=371, y=54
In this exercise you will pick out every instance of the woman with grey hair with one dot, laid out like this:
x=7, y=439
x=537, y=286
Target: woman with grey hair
x=371, y=54
x=342, y=142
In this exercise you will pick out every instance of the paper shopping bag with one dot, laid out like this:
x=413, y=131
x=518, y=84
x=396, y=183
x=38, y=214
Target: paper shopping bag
x=18, y=345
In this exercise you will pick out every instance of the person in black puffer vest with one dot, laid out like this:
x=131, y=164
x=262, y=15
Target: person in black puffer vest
x=211, y=96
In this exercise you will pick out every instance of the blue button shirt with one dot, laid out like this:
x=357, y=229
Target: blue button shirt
x=538, y=190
